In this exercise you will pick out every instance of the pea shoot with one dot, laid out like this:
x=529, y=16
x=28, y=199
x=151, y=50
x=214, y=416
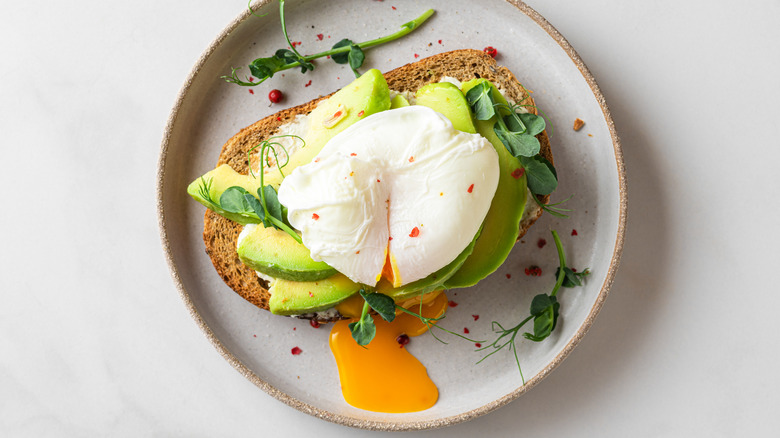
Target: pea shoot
x=544, y=311
x=264, y=207
x=343, y=52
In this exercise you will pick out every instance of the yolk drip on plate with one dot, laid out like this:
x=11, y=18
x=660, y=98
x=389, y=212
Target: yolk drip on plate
x=384, y=376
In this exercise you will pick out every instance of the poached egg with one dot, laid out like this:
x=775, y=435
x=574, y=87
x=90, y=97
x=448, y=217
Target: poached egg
x=401, y=192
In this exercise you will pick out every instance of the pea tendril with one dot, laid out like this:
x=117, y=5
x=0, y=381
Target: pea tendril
x=343, y=52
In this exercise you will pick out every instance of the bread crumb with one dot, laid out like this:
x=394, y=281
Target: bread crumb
x=578, y=124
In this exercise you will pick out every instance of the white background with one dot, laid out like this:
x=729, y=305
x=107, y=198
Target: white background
x=94, y=339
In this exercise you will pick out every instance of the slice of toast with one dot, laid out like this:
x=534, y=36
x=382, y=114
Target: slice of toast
x=220, y=234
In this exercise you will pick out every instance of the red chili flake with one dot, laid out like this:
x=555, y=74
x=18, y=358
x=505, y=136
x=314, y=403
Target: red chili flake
x=314, y=323
x=415, y=232
x=471, y=188
x=573, y=232
x=320, y=36
x=476, y=317
x=317, y=159
x=275, y=96
x=296, y=43
x=254, y=335
x=508, y=275
x=452, y=303
x=541, y=243
x=378, y=181
x=360, y=114
x=390, y=238
x=411, y=159
x=337, y=114
x=251, y=91
x=393, y=7
x=533, y=271
x=478, y=345
x=352, y=154
x=296, y=351
x=315, y=216
x=327, y=56
x=439, y=41
x=308, y=83
x=278, y=119
x=402, y=339
x=251, y=79
x=295, y=328
x=517, y=173
x=466, y=330
x=416, y=55
x=311, y=295
x=357, y=252
x=490, y=50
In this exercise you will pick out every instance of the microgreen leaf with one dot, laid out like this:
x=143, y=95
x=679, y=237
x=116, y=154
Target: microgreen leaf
x=272, y=202
x=233, y=200
x=266, y=67
x=533, y=123
x=541, y=176
x=571, y=278
x=514, y=124
x=539, y=304
x=257, y=208
x=356, y=58
x=519, y=144
x=381, y=303
x=545, y=317
x=480, y=99
x=363, y=330
x=342, y=58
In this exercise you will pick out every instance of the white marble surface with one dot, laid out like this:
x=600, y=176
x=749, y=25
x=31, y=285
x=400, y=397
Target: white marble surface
x=94, y=339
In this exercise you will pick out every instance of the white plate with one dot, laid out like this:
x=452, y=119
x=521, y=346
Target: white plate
x=589, y=162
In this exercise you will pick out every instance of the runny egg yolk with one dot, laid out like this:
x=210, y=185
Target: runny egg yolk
x=383, y=376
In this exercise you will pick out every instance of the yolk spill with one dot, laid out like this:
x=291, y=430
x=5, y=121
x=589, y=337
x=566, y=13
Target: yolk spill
x=384, y=376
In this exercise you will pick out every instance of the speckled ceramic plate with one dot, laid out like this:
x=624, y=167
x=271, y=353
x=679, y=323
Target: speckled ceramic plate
x=589, y=162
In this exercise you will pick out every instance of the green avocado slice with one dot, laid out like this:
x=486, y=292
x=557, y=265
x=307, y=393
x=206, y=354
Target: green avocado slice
x=502, y=223
x=273, y=252
x=398, y=102
x=212, y=184
x=447, y=99
x=298, y=297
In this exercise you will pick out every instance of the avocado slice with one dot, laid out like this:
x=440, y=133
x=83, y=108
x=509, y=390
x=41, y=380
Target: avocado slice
x=502, y=223
x=447, y=99
x=219, y=180
x=273, y=252
x=398, y=102
x=366, y=95
x=298, y=297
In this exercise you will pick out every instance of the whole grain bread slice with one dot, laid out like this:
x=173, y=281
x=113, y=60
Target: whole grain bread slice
x=220, y=234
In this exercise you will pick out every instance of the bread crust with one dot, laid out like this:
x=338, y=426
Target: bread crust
x=220, y=234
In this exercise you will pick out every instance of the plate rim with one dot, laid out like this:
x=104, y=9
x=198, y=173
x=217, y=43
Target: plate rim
x=397, y=425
